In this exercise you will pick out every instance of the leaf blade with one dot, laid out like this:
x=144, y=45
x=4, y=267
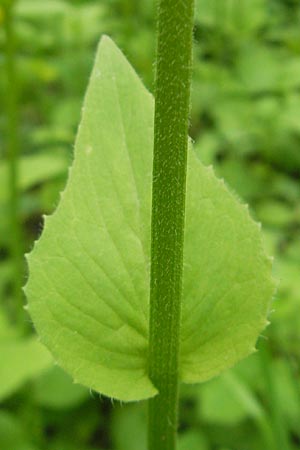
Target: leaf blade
x=90, y=267
x=224, y=261
x=88, y=287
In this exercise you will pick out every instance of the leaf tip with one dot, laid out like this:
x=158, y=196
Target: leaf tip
x=105, y=40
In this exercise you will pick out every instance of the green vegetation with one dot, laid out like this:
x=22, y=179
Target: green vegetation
x=244, y=122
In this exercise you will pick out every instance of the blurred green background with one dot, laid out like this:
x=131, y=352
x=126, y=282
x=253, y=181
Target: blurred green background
x=245, y=121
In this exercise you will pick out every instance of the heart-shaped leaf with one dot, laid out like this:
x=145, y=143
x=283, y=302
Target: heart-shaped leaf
x=88, y=288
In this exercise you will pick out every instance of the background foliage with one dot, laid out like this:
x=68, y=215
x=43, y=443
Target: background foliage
x=245, y=121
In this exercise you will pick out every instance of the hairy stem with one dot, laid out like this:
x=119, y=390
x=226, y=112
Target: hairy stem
x=172, y=99
x=12, y=158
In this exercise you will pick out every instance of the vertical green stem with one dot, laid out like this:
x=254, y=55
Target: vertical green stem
x=172, y=100
x=12, y=158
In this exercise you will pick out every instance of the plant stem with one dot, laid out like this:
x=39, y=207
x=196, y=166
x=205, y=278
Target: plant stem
x=172, y=101
x=12, y=157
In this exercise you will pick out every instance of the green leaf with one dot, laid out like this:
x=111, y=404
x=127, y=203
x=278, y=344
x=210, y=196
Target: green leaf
x=129, y=427
x=88, y=291
x=14, y=350
x=54, y=389
x=253, y=58
x=88, y=287
x=228, y=400
x=12, y=434
x=34, y=169
x=30, y=9
x=287, y=388
x=239, y=17
x=275, y=213
x=192, y=440
x=227, y=278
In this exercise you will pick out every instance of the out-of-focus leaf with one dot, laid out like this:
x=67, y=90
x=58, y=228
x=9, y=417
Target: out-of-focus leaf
x=242, y=178
x=289, y=114
x=129, y=427
x=75, y=29
x=12, y=434
x=21, y=359
x=227, y=400
x=259, y=68
x=286, y=319
x=292, y=251
x=207, y=147
x=287, y=384
x=30, y=9
x=54, y=389
x=34, y=169
x=274, y=213
x=192, y=440
x=240, y=17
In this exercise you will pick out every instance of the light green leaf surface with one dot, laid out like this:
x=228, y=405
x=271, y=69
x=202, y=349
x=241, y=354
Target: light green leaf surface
x=88, y=287
x=227, y=278
x=21, y=359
